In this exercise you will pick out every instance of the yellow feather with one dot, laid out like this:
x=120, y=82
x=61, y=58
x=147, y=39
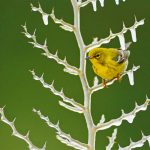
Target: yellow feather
x=104, y=63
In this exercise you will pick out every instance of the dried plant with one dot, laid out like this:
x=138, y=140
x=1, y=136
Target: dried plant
x=70, y=103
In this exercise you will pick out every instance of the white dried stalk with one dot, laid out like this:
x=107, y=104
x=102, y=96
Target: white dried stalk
x=68, y=68
x=101, y=3
x=75, y=106
x=122, y=41
x=96, y=81
x=130, y=74
x=113, y=35
x=64, y=25
x=27, y=34
x=136, y=144
x=44, y=15
x=75, y=109
x=102, y=120
x=128, y=117
x=61, y=136
x=93, y=2
x=117, y=1
x=86, y=109
x=83, y=78
x=112, y=140
x=133, y=34
x=101, y=86
x=17, y=134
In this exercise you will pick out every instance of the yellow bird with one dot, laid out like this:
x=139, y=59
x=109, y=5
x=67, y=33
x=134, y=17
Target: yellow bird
x=109, y=63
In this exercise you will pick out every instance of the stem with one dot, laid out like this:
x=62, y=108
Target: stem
x=83, y=78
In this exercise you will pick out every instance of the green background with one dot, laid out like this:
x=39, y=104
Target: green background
x=20, y=93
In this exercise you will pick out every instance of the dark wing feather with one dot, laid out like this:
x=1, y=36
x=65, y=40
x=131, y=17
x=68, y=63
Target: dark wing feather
x=122, y=56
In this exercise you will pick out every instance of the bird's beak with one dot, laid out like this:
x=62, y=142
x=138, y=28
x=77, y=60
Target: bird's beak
x=88, y=57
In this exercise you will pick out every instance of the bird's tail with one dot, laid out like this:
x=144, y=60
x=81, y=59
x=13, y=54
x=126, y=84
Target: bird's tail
x=126, y=54
x=127, y=45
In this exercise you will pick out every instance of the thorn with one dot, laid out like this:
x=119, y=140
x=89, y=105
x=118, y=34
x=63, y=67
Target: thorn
x=62, y=91
x=27, y=135
x=3, y=107
x=56, y=53
x=42, y=75
x=45, y=42
x=47, y=118
x=31, y=5
x=131, y=140
x=115, y=142
x=119, y=146
x=134, y=68
x=44, y=54
x=33, y=109
x=32, y=71
x=136, y=105
x=142, y=134
x=122, y=111
x=13, y=133
x=41, y=78
x=34, y=32
x=52, y=11
x=148, y=101
x=33, y=43
x=39, y=5
x=69, y=135
x=65, y=59
x=124, y=25
x=14, y=120
x=135, y=18
x=57, y=125
x=147, y=97
x=95, y=39
x=102, y=119
x=23, y=33
x=52, y=84
x=111, y=33
x=44, y=146
x=24, y=26
x=38, y=112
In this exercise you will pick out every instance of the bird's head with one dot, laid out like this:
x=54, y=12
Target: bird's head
x=108, y=55
x=96, y=55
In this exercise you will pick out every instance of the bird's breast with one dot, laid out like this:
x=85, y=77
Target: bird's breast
x=109, y=72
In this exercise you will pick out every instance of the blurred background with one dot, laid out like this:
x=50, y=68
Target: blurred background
x=20, y=93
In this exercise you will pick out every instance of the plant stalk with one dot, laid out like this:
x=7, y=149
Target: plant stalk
x=83, y=78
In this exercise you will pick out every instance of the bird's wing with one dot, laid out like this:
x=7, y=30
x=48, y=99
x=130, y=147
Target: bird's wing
x=119, y=59
x=122, y=56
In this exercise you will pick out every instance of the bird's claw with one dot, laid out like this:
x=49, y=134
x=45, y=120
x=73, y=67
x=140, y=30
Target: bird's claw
x=104, y=83
x=119, y=77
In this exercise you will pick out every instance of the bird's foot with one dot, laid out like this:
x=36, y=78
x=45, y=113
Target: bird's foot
x=119, y=77
x=104, y=83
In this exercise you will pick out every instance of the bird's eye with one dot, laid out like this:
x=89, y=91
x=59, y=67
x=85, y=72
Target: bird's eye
x=97, y=56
